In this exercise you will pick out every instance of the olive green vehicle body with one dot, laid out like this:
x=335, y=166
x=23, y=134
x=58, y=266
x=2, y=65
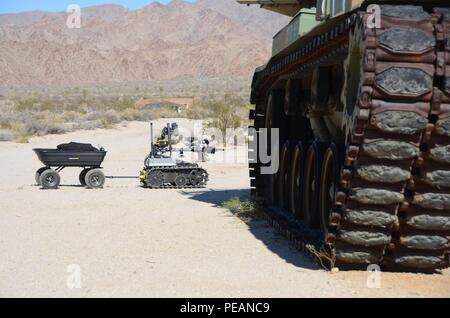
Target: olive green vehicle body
x=303, y=27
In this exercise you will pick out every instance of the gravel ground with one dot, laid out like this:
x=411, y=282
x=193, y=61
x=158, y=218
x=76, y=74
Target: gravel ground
x=132, y=242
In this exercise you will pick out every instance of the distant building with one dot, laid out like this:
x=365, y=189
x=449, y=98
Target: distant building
x=181, y=103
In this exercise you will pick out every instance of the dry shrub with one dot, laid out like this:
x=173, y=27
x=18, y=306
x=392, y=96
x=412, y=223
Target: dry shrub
x=326, y=258
x=90, y=125
x=42, y=124
x=163, y=113
x=70, y=116
x=197, y=111
x=110, y=117
x=41, y=115
x=7, y=135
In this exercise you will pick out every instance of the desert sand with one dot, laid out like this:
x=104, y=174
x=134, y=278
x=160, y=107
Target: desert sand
x=133, y=242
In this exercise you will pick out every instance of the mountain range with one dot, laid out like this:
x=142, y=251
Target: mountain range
x=180, y=40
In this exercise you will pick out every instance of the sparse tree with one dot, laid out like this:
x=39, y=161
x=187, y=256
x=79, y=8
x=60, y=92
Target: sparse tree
x=225, y=114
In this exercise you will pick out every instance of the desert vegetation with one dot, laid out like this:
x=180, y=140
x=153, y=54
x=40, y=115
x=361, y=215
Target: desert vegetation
x=43, y=114
x=38, y=116
x=247, y=209
x=228, y=112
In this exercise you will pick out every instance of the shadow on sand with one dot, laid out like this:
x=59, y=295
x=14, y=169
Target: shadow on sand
x=260, y=229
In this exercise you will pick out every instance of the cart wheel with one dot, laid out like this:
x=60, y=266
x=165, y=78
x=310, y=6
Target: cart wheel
x=82, y=177
x=95, y=179
x=50, y=179
x=37, y=176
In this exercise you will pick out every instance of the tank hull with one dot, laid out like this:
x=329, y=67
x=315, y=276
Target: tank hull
x=363, y=116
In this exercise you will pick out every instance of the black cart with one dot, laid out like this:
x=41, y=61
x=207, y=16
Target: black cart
x=73, y=154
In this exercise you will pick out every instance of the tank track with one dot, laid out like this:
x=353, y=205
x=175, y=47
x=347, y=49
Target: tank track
x=393, y=205
x=185, y=170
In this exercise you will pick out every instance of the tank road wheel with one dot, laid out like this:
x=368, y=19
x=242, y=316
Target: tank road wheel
x=274, y=108
x=269, y=120
x=95, y=179
x=82, y=176
x=284, y=177
x=329, y=183
x=37, y=176
x=271, y=182
x=181, y=181
x=155, y=178
x=309, y=187
x=198, y=177
x=50, y=179
x=296, y=181
x=311, y=183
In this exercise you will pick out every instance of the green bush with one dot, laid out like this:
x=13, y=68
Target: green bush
x=247, y=209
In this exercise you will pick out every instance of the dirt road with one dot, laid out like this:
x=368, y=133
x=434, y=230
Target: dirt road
x=132, y=242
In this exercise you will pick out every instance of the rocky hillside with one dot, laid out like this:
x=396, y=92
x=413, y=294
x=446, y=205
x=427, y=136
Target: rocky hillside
x=210, y=38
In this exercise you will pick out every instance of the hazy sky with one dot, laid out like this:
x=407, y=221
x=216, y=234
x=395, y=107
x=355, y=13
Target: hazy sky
x=8, y=6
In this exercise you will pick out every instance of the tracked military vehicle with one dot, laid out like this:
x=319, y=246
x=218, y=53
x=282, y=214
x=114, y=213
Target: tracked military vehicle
x=360, y=92
x=162, y=172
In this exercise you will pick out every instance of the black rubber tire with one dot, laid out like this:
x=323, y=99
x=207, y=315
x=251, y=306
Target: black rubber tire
x=37, y=176
x=82, y=176
x=50, y=179
x=95, y=179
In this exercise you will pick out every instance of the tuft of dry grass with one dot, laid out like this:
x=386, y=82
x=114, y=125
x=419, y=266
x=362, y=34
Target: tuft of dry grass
x=246, y=209
x=327, y=260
